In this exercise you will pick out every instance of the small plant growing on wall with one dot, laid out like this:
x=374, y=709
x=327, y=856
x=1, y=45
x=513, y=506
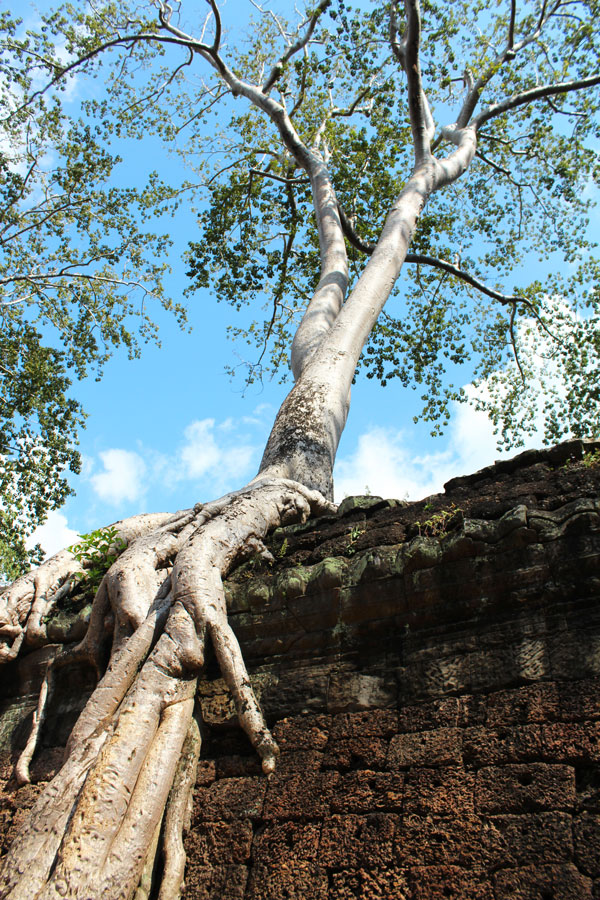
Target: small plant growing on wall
x=439, y=523
x=96, y=552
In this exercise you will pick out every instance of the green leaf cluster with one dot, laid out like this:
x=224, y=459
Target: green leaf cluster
x=79, y=269
x=97, y=551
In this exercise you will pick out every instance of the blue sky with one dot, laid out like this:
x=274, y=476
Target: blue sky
x=171, y=429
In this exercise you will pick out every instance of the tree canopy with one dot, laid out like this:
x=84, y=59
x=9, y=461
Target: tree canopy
x=523, y=75
x=78, y=260
x=78, y=267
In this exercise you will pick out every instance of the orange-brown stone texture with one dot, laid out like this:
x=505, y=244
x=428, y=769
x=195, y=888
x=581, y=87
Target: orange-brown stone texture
x=431, y=672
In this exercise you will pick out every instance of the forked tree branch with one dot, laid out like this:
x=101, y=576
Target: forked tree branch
x=406, y=52
x=509, y=52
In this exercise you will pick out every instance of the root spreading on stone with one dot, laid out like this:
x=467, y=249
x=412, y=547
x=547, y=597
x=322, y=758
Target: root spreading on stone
x=117, y=809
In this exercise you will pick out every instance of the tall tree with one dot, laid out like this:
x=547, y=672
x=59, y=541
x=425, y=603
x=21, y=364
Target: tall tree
x=362, y=134
x=76, y=265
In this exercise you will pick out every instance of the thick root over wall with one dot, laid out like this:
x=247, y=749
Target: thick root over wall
x=113, y=816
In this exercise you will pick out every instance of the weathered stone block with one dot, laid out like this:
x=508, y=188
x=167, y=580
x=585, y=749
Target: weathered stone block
x=442, y=746
x=222, y=842
x=355, y=691
x=572, y=741
x=375, y=723
x=287, y=841
x=441, y=791
x=294, y=796
x=448, y=882
x=428, y=716
x=538, y=882
x=229, y=798
x=295, y=881
x=369, y=884
x=532, y=703
x=524, y=788
x=208, y=882
x=356, y=752
x=449, y=840
x=364, y=792
x=532, y=838
x=303, y=733
x=349, y=841
x=484, y=746
x=586, y=836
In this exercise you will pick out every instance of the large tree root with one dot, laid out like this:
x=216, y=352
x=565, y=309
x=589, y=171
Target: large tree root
x=96, y=829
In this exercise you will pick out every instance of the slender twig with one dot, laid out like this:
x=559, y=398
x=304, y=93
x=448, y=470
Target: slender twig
x=513, y=342
x=266, y=174
x=159, y=91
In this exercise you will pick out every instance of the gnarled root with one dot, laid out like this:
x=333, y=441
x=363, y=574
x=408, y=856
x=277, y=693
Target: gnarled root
x=101, y=812
x=177, y=815
x=128, y=590
x=28, y=600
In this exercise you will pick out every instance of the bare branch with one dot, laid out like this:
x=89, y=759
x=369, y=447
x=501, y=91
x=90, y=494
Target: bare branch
x=300, y=98
x=564, y=112
x=513, y=341
x=490, y=162
x=350, y=234
x=24, y=184
x=159, y=91
x=120, y=41
x=511, y=27
x=44, y=281
x=266, y=174
x=279, y=290
x=474, y=89
x=217, y=41
x=437, y=263
x=536, y=93
x=203, y=110
x=482, y=135
x=350, y=110
x=542, y=15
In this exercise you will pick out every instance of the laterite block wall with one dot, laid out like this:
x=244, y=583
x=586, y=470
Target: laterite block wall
x=431, y=672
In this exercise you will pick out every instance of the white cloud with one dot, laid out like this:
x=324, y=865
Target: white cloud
x=213, y=457
x=122, y=478
x=53, y=535
x=386, y=463
x=213, y=452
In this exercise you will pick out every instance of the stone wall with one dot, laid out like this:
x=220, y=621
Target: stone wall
x=431, y=672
